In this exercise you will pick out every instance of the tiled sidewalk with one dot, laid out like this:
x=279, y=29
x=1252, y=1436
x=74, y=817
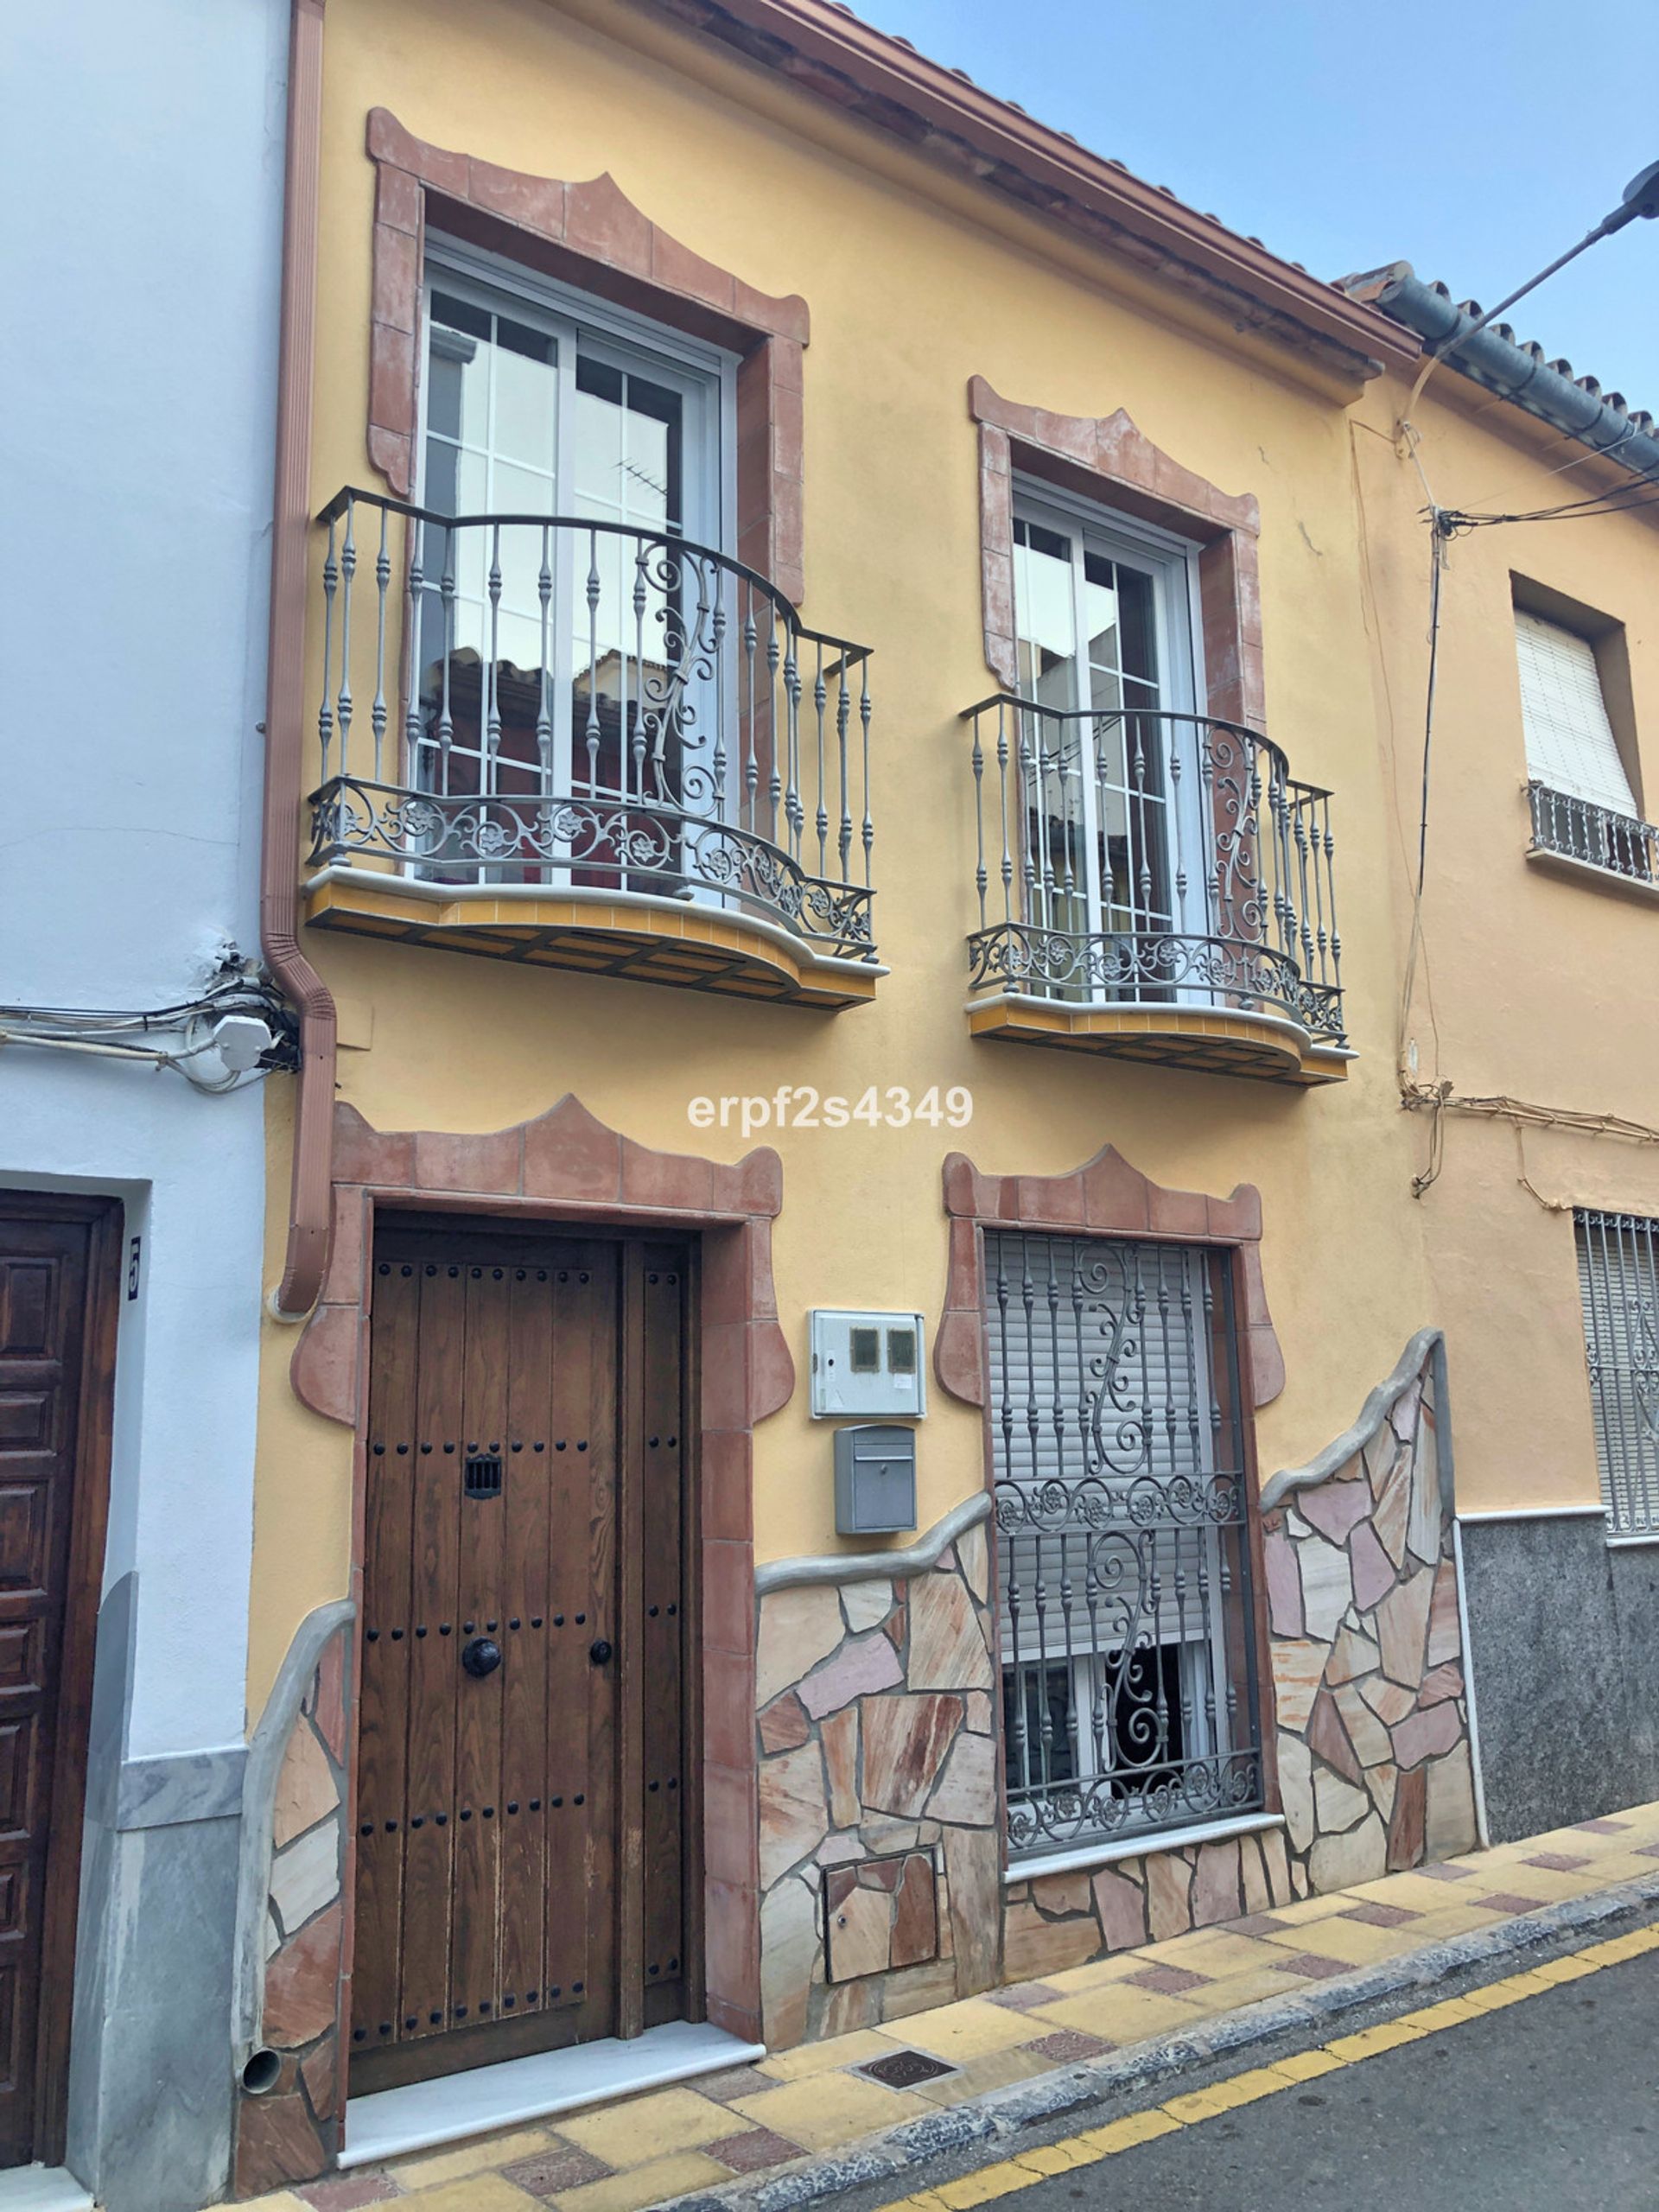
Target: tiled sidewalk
x=651, y=2149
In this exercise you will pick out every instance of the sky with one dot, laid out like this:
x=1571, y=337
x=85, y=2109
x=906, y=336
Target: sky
x=1475, y=139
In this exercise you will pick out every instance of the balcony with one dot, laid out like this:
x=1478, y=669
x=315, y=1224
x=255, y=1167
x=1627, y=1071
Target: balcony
x=582, y=745
x=1574, y=836
x=1152, y=887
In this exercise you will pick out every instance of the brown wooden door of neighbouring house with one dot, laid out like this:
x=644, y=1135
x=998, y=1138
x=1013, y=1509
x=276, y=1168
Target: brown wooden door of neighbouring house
x=525, y=1798
x=57, y=1333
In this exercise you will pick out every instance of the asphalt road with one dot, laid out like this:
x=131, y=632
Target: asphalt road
x=1551, y=2105
x=1548, y=2106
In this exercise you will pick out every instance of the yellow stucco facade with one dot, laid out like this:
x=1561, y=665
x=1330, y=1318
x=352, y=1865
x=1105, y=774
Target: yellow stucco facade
x=925, y=340
x=913, y=286
x=1531, y=986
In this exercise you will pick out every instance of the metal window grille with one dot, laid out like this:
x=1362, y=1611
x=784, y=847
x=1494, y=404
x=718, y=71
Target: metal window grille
x=1129, y=1659
x=1619, y=1285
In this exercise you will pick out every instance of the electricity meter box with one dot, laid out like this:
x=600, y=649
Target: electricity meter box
x=868, y=1364
x=875, y=1479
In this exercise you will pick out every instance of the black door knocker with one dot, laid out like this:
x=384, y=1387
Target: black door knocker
x=482, y=1655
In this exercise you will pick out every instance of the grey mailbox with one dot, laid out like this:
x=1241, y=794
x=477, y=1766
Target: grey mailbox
x=875, y=1479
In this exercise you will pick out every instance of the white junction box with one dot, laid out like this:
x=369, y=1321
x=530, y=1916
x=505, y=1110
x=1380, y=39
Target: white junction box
x=867, y=1363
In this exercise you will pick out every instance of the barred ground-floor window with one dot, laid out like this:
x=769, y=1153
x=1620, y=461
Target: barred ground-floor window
x=1128, y=1638
x=1618, y=1285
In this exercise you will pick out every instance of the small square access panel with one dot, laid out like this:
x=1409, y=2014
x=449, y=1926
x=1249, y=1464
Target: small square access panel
x=881, y=1915
x=905, y=2069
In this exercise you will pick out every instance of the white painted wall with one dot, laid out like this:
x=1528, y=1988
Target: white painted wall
x=141, y=166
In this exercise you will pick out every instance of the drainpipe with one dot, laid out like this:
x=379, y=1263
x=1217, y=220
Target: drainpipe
x=307, y=1255
x=1520, y=373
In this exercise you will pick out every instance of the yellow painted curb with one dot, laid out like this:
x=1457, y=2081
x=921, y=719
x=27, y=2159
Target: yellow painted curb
x=1009, y=2175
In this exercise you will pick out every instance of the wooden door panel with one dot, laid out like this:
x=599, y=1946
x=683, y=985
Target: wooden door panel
x=528, y=1537
x=582, y=1824
x=661, y=1629
x=431, y=1826
x=383, y=1722
x=32, y=1291
x=479, y=1700
x=56, y=1360
x=29, y=1528
x=495, y=1831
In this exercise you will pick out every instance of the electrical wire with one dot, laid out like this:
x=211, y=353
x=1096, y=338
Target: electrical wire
x=1371, y=613
x=1527, y=1113
x=238, y=987
x=1641, y=492
x=1444, y=525
x=1414, y=950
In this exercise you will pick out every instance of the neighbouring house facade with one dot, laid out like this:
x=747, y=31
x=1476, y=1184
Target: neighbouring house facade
x=139, y=374
x=855, y=1396
x=1528, y=1021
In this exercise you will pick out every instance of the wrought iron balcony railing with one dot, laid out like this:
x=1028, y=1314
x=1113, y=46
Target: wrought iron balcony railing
x=1131, y=856
x=1579, y=830
x=544, y=700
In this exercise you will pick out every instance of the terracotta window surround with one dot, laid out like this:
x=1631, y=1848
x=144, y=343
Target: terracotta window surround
x=1107, y=1197
x=567, y=1166
x=1105, y=459
x=590, y=235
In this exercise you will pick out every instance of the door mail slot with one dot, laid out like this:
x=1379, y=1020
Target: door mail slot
x=875, y=1479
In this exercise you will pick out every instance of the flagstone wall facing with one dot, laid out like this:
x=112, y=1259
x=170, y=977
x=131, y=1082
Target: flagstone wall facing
x=877, y=1731
x=877, y=1753
x=287, y=2128
x=1366, y=1640
x=1371, y=1731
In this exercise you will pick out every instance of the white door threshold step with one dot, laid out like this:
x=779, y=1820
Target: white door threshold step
x=393, y=2122
x=43, y=2188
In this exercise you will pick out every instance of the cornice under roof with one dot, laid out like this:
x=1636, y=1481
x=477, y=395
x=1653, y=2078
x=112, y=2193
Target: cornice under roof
x=827, y=52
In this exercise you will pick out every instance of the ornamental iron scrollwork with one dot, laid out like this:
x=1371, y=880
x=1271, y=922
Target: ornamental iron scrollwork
x=1130, y=854
x=1128, y=1666
x=1578, y=829
x=574, y=703
x=637, y=845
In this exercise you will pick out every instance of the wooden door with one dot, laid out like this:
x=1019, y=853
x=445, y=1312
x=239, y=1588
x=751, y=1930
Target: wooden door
x=522, y=1788
x=56, y=1364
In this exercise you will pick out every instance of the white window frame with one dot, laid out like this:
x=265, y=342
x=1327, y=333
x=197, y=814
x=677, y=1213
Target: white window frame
x=658, y=349
x=705, y=376
x=1172, y=563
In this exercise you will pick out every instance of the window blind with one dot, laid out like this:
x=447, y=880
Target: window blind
x=1618, y=1287
x=1570, y=743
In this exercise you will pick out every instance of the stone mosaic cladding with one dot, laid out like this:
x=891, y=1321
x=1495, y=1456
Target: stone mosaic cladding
x=1372, y=1728
x=1367, y=1648
x=291, y=2132
x=874, y=1722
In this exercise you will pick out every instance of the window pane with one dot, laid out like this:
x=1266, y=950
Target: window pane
x=1099, y=601
x=1139, y=636
x=458, y=362
x=525, y=388
x=1042, y=590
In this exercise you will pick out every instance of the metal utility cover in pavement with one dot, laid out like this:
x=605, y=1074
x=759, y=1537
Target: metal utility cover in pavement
x=905, y=2069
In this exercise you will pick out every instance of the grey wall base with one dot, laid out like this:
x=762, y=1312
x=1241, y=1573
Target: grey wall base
x=1564, y=1638
x=150, y=2089
x=155, y=2135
